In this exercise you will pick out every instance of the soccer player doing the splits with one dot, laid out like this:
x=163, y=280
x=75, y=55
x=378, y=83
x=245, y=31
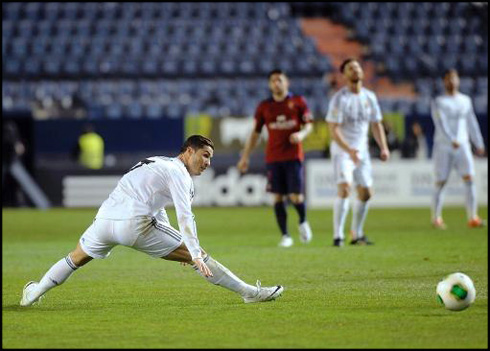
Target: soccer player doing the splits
x=288, y=122
x=455, y=124
x=134, y=215
x=351, y=110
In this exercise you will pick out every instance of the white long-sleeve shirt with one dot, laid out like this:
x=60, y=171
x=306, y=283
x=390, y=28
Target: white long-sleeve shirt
x=455, y=120
x=353, y=112
x=149, y=187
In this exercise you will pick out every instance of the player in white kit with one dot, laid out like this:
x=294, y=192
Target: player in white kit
x=134, y=216
x=351, y=110
x=455, y=124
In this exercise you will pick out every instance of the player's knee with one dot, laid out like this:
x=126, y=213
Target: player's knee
x=296, y=198
x=343, y=192
x=467, y=178
x=440, y=183
x=365, y=195
x=79, y=258
x=278, y=198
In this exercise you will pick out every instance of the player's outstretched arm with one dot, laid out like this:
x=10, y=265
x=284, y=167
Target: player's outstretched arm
x=380, y=137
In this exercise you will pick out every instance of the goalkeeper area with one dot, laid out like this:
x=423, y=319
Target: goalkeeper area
x=381, y=296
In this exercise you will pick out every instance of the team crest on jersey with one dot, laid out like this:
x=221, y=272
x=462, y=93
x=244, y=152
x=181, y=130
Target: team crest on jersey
x=291, y=105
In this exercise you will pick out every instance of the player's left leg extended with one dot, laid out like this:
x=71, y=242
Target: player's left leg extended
x=222, y=276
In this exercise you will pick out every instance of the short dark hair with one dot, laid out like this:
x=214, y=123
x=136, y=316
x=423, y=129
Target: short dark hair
x=276, y=71
x=346, y=62
x=450, y=70
x=197, y=142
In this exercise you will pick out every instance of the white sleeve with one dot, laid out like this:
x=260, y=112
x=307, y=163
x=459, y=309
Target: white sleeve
x=180, y=189
x=440, y=121
x=334, y=111
x=474, y=129
x=376, y=115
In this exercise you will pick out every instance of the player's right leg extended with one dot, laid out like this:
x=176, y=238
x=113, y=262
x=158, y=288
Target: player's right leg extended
x=222, y=276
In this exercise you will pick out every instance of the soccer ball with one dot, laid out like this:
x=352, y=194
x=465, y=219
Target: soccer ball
x=456, y=292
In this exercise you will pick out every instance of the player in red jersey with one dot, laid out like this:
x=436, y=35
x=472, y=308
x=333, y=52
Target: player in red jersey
x=288, y=121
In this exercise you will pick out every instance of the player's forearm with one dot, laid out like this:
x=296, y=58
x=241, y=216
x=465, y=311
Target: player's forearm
x=379, y=135
x=250, y=144
x=187, y=227
x=338, y=137
x=307, y=129
x=475, y=132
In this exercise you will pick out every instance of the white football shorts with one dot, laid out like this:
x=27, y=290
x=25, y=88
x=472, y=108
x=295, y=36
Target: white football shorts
x=154, y=236
x=345, y=171
x=446, y=158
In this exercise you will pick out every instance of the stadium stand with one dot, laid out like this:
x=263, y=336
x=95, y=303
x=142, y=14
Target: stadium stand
x=147, y=60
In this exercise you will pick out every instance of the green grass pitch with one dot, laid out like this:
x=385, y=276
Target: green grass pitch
x=381, y=296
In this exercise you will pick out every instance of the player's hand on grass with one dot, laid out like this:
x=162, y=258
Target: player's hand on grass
x=295, y=138
x=242, y=165
x=203, y=268
x=384, y=155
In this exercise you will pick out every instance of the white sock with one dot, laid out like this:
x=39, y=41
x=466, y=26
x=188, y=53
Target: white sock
x=358, y=217
x=222, y=276
x=56, y=275
x=340, y=210
x=437, y=202
x=471, y=206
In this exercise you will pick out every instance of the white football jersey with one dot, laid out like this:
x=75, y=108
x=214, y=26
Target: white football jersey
x=353, y=112
x=455, y=120
x=149, y=187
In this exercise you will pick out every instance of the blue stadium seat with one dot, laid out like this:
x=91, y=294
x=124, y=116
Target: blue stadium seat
x=52, y=67
x=466, y=85
x=469, y=64
x=32, y=67
x=114, y=111
x=480, y=104
x=12, y=67
x=154, y=111
x=453, y=44
x=411, y=65
x=434, y=44
x=483, y=64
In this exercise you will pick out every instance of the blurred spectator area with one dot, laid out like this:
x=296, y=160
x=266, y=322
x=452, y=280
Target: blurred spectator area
x=148, y=60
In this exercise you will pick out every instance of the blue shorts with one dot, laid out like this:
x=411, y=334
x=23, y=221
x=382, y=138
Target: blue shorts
x=285, y=177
